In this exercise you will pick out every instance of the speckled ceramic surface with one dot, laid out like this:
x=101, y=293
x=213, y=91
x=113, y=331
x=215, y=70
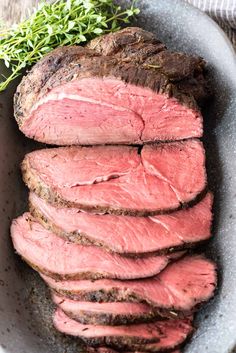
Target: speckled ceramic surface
x=25, y=325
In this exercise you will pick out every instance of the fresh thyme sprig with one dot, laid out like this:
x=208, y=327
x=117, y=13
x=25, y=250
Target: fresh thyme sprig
x=64, y=22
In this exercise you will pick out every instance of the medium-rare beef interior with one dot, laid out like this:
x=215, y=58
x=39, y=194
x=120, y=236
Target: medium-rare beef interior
x=180, y=287
x=118, y=179
x=61, y=259
x=128, y=235
x=156, y=336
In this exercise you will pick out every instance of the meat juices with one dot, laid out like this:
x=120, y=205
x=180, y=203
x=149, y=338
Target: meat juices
x=109, y=223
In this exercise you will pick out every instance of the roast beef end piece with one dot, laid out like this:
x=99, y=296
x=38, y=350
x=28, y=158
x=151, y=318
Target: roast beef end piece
x=84, y=99
x=61, y=259
x=128, y=235
x=113, y=314
x=93, y=110
x=180, y=288
x=156, y=336
x=121, y=181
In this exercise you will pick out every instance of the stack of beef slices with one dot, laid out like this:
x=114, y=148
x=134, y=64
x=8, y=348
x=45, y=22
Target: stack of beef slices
x=110, y=223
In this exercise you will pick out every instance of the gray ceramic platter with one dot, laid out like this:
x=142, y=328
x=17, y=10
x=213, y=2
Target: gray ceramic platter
x=25, y=325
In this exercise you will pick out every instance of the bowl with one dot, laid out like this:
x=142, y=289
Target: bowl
x=25, y=307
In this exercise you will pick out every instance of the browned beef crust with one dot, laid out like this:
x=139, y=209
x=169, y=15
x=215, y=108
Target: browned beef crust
x=135, y=45
x=93, y=318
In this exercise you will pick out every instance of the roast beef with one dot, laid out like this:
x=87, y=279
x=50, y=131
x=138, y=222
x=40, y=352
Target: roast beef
x=148, y=337
x=179, y=288
x=135, y=45
x=127, y=235
x=76, y=96
x=117, y=313
x=117, y=179
x=61, y=259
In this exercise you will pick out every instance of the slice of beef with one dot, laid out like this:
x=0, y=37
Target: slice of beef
x=118, y=180
x=61, y=259
x=179, y=288
x=75, y=96
x=117, y=313
x=128, y=235
x=156, y=336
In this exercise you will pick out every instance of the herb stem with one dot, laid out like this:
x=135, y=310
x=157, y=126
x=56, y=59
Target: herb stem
x=64, y=22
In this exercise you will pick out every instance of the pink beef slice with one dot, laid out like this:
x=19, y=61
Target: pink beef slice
x=76, y=96
x=116, y=313
x=156, y=336
x=117, y=179
x=62, y=259
x=128, y=235
x=180, y=287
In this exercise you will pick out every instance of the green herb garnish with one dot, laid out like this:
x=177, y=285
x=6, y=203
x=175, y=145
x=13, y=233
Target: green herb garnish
x=61, y=23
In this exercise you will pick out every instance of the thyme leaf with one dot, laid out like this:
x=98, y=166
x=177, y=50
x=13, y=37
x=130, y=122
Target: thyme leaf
x=63, y=22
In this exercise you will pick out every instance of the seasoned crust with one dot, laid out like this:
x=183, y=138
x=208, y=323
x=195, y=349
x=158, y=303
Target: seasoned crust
x=133, y=44
x=119, y=343
x=115, y=295
x=124, y=40
x=94, y=318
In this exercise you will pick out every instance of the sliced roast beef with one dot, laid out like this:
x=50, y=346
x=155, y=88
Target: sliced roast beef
x=156, y=336
x=76, y=96
x=117, y=179
x=179, y=288
x=117, y=313
x=135, y=45
x=61, y=259
x=128, y=235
